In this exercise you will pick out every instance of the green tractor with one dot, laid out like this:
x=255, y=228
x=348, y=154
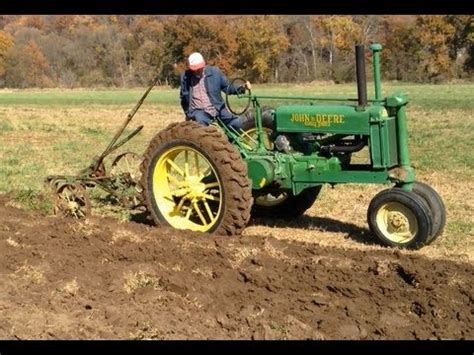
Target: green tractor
x=213, y=178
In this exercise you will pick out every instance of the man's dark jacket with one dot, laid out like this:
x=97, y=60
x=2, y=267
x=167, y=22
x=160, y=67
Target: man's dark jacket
x=215, y=82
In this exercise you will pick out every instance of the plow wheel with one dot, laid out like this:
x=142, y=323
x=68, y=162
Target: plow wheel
x=72, y=200
x=126, y=172
x=195, y=179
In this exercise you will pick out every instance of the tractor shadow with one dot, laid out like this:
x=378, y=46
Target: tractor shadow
x=142, y=217
x=323, y=224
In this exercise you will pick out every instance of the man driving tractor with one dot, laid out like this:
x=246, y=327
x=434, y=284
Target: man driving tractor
x=200, y=93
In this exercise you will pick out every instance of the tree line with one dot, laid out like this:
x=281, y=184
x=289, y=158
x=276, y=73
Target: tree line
x=129, y=50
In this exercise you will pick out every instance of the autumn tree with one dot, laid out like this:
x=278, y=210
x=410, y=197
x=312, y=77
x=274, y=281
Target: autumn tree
x=6, y=42
x=144, y=48
x=211, y=36
x=62, y=24
x=433, y=34
x=299, y=61
x=399, y=48
x=303, y=60
x=261, y=42
x=26, y=66
x=128, y=50
x=339, y=34
x=461, y=44
x=469, y=63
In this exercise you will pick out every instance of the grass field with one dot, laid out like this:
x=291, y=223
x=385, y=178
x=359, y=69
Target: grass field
x=45, y=132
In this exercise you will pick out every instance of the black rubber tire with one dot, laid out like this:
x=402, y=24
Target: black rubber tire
x=415, y=204
x=436, y=205
x=226, y=160
x=292, y=207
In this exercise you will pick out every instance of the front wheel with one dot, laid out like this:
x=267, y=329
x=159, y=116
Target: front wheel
x=195, y=179
x=436, y=205
x=400, y=218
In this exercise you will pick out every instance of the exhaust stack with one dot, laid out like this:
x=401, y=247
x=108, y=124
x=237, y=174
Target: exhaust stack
x=361, y=76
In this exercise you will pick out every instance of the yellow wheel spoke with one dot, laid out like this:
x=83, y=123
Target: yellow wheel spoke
x=211, y=185
x=188, y=214
x=199, y=213
x=206, y=172
x=186, y=163
x=180, y=192
x=180, y=204
x=168, y=198
x=128, y=165
x=208, y=209
x=196, y=162
x=173, y=179
x=210, y=197
x=248, y=136
x=253, y=143
x=175, y=167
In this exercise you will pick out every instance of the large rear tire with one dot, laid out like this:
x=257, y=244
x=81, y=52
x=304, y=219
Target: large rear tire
x=193, y=178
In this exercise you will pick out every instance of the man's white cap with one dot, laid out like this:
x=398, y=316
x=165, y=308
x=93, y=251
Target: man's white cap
x=196, y=61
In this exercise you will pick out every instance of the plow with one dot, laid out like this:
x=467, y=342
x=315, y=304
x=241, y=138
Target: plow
x=70, y=196
x=213, y=178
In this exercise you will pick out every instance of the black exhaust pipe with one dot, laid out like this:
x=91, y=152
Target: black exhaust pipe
x=361, y=77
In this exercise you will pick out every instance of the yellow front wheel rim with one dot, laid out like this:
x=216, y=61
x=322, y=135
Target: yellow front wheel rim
x=187, y=189
x=397, y=222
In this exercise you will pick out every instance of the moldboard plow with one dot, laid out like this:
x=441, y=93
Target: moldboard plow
x=70, y=196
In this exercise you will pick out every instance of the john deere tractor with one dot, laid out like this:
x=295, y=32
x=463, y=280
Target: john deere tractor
x=212, y=178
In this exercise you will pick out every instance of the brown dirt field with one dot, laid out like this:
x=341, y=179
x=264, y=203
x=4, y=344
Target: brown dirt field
x=103, y=279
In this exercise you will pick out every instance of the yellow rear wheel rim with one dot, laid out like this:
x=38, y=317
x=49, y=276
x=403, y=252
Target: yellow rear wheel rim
x=250, y=138
x=397, y=222
x=187, y=190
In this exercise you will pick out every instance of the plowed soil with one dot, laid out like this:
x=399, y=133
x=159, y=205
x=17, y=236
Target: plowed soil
x=102, y=279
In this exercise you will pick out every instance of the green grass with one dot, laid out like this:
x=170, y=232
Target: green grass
x=428, y=97
x=33, y=200
x=6, y=125
x=65, y=98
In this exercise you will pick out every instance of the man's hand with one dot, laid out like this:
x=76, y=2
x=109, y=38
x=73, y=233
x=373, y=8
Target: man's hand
x=246, y=86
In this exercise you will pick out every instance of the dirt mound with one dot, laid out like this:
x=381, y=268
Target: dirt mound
x=99, y=278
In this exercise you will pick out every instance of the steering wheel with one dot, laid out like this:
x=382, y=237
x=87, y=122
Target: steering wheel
x=238, y=82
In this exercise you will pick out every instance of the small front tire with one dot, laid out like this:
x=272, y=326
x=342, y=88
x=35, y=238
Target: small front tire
x=436, y=205
x=400, y=218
